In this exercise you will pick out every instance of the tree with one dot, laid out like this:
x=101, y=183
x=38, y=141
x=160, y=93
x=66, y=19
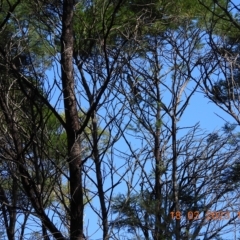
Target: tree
x=221, y=80
x=110, y=62
x=170, y=172
x=25, y=134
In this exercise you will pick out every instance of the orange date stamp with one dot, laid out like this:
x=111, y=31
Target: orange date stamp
x=209, y=216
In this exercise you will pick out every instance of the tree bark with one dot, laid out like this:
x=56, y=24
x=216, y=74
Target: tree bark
x=72, y=123
x=174, y=174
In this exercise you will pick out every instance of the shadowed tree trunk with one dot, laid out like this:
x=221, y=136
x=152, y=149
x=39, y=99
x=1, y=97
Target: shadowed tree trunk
x=72, y=123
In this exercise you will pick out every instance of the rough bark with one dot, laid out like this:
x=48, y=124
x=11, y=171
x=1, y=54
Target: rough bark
x=72, y=123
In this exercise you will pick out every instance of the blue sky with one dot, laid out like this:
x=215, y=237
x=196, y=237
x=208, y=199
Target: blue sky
x=200, y=110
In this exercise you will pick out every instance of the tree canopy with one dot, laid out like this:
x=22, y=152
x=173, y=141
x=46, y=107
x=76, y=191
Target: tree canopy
x=93, y=108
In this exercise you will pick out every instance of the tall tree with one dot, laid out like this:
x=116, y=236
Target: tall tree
x=110, y=62
x=170, y=194
x=31, y=85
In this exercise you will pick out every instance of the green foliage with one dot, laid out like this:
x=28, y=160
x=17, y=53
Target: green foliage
x=231, y=176
x=134, y=211
x=95, y=26
x=31, y=34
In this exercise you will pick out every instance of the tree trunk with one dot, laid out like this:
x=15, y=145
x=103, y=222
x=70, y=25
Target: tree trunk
x=72, y=123
x=174, y=174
